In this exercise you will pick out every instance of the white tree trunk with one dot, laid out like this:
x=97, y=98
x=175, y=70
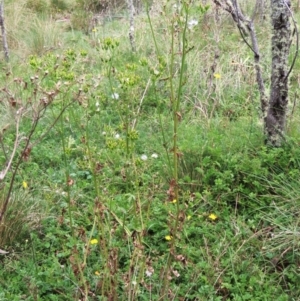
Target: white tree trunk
x=131, y=11
x=3, y=31
x=276, y=117
x=273, y=107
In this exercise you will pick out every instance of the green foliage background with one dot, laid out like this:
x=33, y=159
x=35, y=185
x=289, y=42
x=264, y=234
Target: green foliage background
x=92, y=211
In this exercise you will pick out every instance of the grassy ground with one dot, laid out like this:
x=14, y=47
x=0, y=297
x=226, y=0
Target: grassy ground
x=104, y=205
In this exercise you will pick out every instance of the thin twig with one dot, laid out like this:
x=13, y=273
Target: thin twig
x=3, y=148
x=16, y=143
x=297, y=42
x=254, y=11
x=140, y=105
x=11, y=184
x=51, y=126
x=239, y=14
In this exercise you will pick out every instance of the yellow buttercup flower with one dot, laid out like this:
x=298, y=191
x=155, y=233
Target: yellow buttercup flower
x=212, y=216
x=24, y=184
x=97, y=273
x=174, y=201
x=217, y=75
x=168, y=237
x=94, y=241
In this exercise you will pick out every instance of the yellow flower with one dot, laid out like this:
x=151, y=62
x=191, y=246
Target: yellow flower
x=212, y=216
x=94, y=30
x=174, y=201
x=189, y=217
x=168, y=237
x=94, y=241
x=217, y=75
x=24, y=184
x=97, y=273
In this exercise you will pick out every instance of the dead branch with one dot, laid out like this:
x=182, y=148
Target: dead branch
x=245, y=26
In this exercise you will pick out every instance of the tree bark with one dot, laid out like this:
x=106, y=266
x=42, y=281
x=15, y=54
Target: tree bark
x=281, y=40
x=3, y=31
x=131, y=11
x=273, y=107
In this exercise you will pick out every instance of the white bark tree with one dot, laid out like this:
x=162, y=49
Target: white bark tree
x=3, y=31
x=273, y=106
x=281, y=41
x=131, y=11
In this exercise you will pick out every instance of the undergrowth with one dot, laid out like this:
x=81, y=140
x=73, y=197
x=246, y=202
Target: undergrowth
x=153, y=181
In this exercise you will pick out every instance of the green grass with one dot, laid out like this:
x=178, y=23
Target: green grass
x=97, y=218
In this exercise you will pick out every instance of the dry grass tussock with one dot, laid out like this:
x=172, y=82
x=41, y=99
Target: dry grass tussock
x=29, y=33
x=23, y=215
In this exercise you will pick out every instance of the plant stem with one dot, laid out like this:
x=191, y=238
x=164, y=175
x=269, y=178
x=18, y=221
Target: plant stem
x=176, y=101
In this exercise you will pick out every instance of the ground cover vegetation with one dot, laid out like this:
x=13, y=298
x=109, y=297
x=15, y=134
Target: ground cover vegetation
x=143, y=175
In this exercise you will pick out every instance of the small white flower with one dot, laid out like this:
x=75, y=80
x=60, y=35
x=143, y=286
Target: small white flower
x=117, y=136
x=175, y=273
x=115, y=96
x=154, y=156
x=144, y=157
x=149, y=272
x=192, y=23
x=134, y=283
x=176, y=7
x=97, y=104
x=104, y=133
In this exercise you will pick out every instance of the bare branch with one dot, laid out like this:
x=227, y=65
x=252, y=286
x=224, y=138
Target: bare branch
x=288, y=4
x=20, y=159
x=3, y=149
x=16, y=144
x=140, y=105
x=242, y=23
x=52, y=125
x=255, y=10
